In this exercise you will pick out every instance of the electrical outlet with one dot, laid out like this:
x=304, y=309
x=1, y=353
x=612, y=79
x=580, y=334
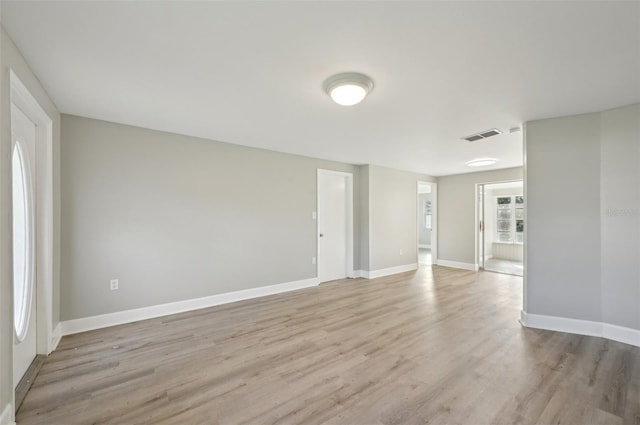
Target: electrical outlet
x=114, y=284
x=313, y=260
x=314, y=215
x=400, y=252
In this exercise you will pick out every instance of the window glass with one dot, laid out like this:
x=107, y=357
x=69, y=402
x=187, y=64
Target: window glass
x=510, y=219
x=22, y=234
x=426, y=207
x=504, y=214
x=504, y=236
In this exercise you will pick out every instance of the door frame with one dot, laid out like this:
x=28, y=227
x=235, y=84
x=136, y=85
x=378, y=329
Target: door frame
x=26, y=102
x=480, y=226
x=434, y=222
x=480, y=201
x=349, y=272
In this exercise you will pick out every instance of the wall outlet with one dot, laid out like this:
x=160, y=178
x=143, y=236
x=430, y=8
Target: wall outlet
x=400, y=252
x=114, y=284
x=314, y=215
x=313, y=260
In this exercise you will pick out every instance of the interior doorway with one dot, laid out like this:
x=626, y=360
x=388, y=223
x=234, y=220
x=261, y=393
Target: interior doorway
x=501, y=224
x=427, y=223
x=335, y=225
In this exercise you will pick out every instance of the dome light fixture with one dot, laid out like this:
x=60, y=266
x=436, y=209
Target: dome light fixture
x=481, y=162
x=348, y=88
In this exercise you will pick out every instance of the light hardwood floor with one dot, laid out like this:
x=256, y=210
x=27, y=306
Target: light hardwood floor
x=440, y=346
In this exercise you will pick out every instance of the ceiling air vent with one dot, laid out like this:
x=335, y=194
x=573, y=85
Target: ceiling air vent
x=473, y=138
x=482, y=135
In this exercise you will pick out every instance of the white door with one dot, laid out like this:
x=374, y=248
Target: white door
x=332, y=226
x=23, y=163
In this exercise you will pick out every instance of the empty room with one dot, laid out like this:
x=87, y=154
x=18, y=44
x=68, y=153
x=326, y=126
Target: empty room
x=319, y=212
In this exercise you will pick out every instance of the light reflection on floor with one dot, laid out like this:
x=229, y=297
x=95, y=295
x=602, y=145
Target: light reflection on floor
x=504, y=266
x=424, y=256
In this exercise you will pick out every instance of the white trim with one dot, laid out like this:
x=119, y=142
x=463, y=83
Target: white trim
x=6, y=418
x=457, y=265
x=561, y=324
x=621, y=334
x=525, y=192
x=349, y=272
x=358, y=273
x=56, y=336
x=422, y=245
x=434, y=223
x=581, y=327
x=69, y=327
x=389, y=271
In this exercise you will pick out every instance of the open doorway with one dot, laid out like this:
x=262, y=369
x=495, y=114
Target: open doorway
x=501, y=227
x=427, y=224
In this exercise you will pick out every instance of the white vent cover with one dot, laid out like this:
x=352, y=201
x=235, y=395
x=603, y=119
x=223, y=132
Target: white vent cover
x=482, y=135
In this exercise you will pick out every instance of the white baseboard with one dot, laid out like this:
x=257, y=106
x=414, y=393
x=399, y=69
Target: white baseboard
x=561, y=324
x=457, y=265
x=6, y=418
x=69, y=327
x=358, y=273
x=424, y=246
x=581, y=327
x=389, y=271
x=56, y=336
x=621, y=334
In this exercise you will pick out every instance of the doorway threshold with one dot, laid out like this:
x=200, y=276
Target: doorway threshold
x=27, y=380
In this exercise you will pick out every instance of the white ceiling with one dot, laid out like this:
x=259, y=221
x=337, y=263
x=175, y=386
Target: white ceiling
x=251, y=73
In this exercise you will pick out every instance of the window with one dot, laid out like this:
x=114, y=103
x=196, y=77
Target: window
x=510, y=219
x=426, y=207
x=22, y=240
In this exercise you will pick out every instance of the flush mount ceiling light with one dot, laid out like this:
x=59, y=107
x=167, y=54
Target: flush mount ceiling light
x=481, y=162
x=348, y=88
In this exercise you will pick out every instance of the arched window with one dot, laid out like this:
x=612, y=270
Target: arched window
x=23, y=234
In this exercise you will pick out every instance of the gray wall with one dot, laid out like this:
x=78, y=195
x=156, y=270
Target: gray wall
x=457, y=212
x=392, y=213
x=10, y=58
x=620, y=223
x=583, y=197
x=424, y=234
x=176, y=217
x=563, y=215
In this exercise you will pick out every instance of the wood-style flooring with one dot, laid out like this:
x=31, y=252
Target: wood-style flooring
x=438, y=346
